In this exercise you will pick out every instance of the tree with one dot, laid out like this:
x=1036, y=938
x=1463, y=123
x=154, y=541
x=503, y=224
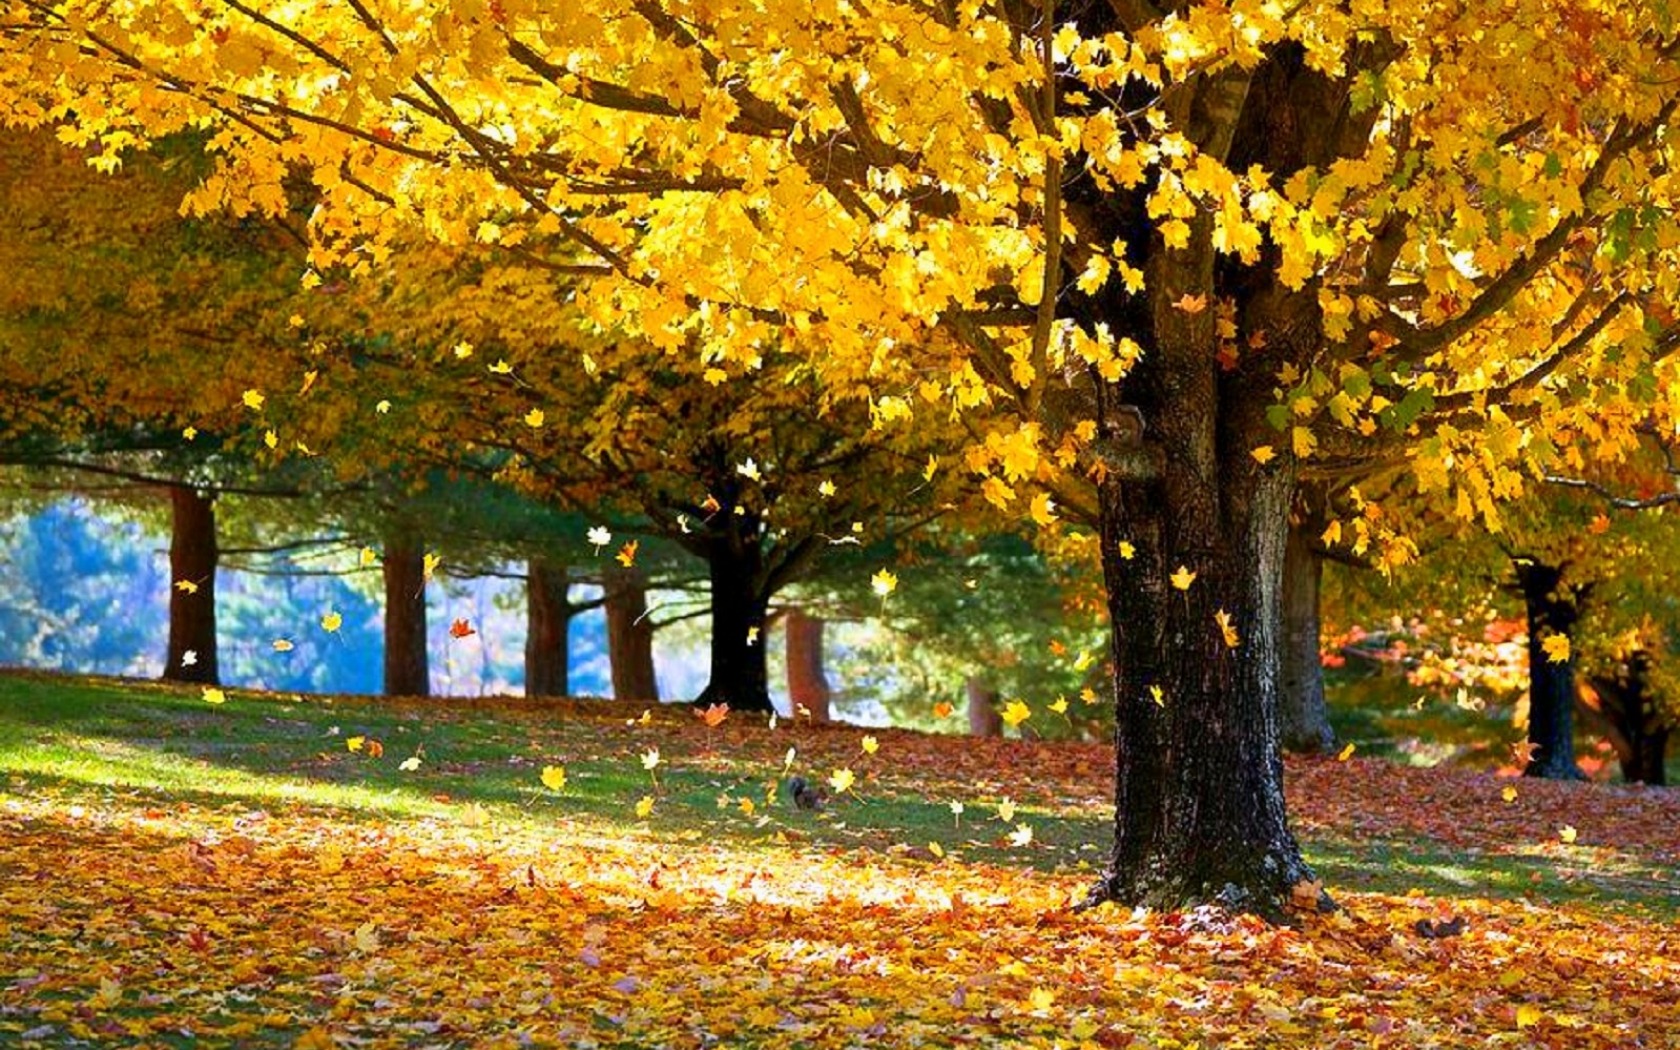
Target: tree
x=1191, y=251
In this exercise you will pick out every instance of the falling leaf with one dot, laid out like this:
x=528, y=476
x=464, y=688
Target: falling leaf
x=957, y=811
x=943, y=709
x=429, y=565
x=461, y=629
x=283, y=645
x=714, y=715
x=271, y=439
x=1191, y=304
x=1127, y=551
x=1087, y=695
x=1332, y=534
x=1556, y=647
x=870, y=744
x=463, y=350
x=367, y=557
x=650, y=759
x=189, y=658
x=825, y=488
x=534, y=418
x=931, y=469
x=1015, y=712
x=710, y=505
x=190, y=433
x=1043, y=510
x=554, y=778
x=883, y=583
x=1022, y=835
x=1345, y=753
x=1522, y=752
x=1006, y=810
x=382, y=407
x=1059, y=705
x=1227, y=629
x=1509, y=794
x=749, y=470
x=748, y=807
x=1083, y=660
x=841, y=781
x=1567, y=833
x=253, y=399
x=1263, y=455
x=1183, y=578
x=501, y=368
x=355, y=743
x=1600, y=525
x=1528, y=1015
x=936, y=849
x=1057, y=648
x=212, y=695
x=1156, y=694
x=627, y=553
x=331, y=621
x=599, y=537
x=186, y=586
x=410, y=764
x=752, y=635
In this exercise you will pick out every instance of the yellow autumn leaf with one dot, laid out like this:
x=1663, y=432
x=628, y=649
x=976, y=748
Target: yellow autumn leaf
x=410, y=764
x=1332, y=534
x=186, y=586
x=1183, y=578
x=1022, y=835
x=627, y=554
x=534, y=418
x=1345, y=753
x=1509, y=794
x=1556, y=647
x=841, y=781
x=1528, y=1015
x=501, y=368
x=212, y=695
x=355, y=743
x=650, y=759
x=1060, y=705
x=1006, y=810
x=1043, y=510
x=1263, y=455
x=253, y=399
x=1227, y=629
x=1040, y=1000
x=825, y=489
x=331, y=621
x=429, y=565
x=1156, y=694
x=870, y=745
x=883, y=583
x=1015, y=712
x=1567, y=834
x=936, y=849
x=1127, y=550
x=644, y=806
x=554, y=778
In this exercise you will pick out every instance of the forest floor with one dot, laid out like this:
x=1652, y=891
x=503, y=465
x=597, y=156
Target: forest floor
x=289, y=872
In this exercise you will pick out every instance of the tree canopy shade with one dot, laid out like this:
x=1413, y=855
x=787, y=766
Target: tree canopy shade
x=1163, y=258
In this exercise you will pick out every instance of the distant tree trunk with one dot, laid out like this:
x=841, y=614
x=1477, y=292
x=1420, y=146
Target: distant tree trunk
x=629, y=636
x=406, y=669
x=740, y=674
x=1303, y=715
x=548, y=620
x=984, y=718
x=1631, y=720
x=1551, y=685
x=193, y=555
x=806, y=681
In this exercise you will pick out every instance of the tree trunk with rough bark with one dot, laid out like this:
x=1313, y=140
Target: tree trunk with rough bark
x=548, y=620
x=193, y=556
x=740, y=675
x=1628, y=712
x=630, y=636
x=807, y=682
x=1303, y=714
x=407, y=670
x=1551, y=609
x=984, y=718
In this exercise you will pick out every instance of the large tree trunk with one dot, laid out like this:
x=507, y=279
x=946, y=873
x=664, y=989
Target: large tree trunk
x=1629, y=716
x=984, y=718
x=193, y=555
x=1551, y=685
x=548, y=620
x=1303, y=715
x=630, y=635
x=407, y=672
x=806, y=680
x=740, y=674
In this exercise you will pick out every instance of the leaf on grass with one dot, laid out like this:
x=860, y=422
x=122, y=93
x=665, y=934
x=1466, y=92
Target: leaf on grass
x=554, y=777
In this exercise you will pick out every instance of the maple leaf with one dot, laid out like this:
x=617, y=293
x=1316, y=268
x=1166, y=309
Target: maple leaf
x=883, y=583
x=1509, y=794
x=931, y=469
x=186, y=586
x=599, y=537
x=331, y=621
x=1522, y=752
x=1182, y=578
x=841, y=781
x=366, y=938
x=461, y=629
x=749, y=470
x=825, y=488
x=1015, y=712
x=189, y=658
x=1263, y=454
x=714, y=715
x=650, y=759
x=410, y=764
x=627, y=553
x=1556, y=647
x=1191, y=304
x=1600, y=525
x=535, y=418
x=501, y=368
x=943, y=709
x=1006, y=810
x=190, y=433
x=1127, y=550
x=644, y=806
x=212, y=695
x=1567, y=834
x=253, y=399
x=1059, y=705
x=869, y=745
x=463, y=350
x=382, y=406
x=429, y=565
x=367, y=557
x=554, y=778
x=355, y=743
x=1227, y=629
x=1087, y=695
x=1022, y=835
x=1083, y=660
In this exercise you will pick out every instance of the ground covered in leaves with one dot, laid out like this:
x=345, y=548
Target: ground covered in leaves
x=271, y=871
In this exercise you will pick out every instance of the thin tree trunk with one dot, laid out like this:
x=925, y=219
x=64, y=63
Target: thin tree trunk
x=806, y=680
x=1628, y=716
x=984, y=718
x=740, y=675
x=1303, y=714
x=630, y=636
x=407, y=672
x=193, y=555
x=1551, y=685
x=548, y=619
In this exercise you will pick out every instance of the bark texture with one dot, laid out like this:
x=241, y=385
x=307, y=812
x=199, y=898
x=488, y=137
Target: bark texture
x=740, y=674
x=193, y=555
x=1551, y=609
x=548, y=620
x=1303, y=714
x=407, y=669
x=807, y=681
x=1627, y=709
x=630, y=636
x=984, y=718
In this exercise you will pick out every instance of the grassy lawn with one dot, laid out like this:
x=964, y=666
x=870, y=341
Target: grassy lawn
x=180, y=873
